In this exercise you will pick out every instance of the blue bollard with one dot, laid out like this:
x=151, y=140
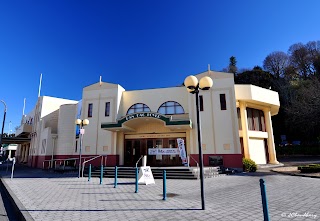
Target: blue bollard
x=164, y=185
x=101, y=174
x=136, y=180
x=264, y=200
x=115, y=177
x=89, y=176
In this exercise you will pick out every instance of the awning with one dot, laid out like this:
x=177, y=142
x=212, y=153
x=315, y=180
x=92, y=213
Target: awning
x=15, y=140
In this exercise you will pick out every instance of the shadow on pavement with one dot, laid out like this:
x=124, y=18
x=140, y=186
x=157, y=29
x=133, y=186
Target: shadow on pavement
x=298, y=160
x=109, y=210
x=22, y=171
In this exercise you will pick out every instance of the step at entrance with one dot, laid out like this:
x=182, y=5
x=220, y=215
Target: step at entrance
x=171, y=173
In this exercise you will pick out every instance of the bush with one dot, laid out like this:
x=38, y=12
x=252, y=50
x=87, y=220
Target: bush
x=298, y=150
x=249, y=165
x=311, y=168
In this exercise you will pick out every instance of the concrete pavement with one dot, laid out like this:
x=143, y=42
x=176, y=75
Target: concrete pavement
x=49, y=196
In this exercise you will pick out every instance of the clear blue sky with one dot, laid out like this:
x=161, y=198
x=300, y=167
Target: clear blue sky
x=137, y=44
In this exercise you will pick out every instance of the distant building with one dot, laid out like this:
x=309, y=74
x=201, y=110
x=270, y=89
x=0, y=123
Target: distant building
x=8, y=151
x=124, y=125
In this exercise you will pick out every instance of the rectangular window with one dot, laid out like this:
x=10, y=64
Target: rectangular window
x=223, y=103
x=90, y=110
x=256, y=120
x=239, y=118
x=76, y=149
x=201, y=102
x=263, y=125
x=250, y=119
x=107, y=110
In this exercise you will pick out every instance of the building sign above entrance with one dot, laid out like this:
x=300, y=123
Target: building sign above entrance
x=147, y=114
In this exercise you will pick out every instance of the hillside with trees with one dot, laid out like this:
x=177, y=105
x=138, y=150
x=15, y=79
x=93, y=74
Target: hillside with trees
x=295, y=75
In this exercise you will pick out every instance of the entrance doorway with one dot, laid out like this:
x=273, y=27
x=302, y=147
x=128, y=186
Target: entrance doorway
x=135, y=148
x=132, y=152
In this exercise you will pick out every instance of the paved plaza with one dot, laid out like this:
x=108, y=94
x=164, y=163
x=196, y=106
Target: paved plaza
x=50, y=196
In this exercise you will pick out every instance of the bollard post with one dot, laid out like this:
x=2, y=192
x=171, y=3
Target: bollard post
x=115, y=177
x=136, y=180
x=164, y=185
x=89, y=175
x=264, y=200
x=101, y=174
x=12, y=169
x=7, y=164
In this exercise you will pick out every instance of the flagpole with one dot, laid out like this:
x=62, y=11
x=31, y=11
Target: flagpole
x=40, y=85
x=24, y=106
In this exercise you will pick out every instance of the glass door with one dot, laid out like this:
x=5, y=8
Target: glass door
x=136, y=151
x=175, y=159
x=128, y=153
x=151, y=158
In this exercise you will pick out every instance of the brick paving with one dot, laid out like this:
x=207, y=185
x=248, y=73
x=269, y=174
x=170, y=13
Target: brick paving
x=3, y=212
x=48, y=196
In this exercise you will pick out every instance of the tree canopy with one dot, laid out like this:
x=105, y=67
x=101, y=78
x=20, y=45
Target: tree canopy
x=295, y=75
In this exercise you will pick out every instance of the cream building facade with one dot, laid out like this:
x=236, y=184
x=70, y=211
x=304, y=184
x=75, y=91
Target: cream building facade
x=125, y=125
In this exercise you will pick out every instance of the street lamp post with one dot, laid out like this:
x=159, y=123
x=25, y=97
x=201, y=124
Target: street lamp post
x=193, y=86
x=81, y=123
x=3, y=121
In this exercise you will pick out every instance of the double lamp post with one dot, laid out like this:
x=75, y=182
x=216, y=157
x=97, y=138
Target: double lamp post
x=193, y=86
x=81, y=123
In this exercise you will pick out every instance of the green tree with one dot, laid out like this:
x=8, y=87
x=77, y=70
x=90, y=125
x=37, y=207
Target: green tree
x=232, y=68
x=276, y=63
x=256, y=76
x=303, y=112
x=301, y=59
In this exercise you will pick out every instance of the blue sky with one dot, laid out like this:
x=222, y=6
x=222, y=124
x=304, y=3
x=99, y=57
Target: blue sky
x=137, y=44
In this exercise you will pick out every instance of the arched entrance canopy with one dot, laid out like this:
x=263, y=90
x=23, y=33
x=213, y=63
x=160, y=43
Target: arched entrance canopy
x=120, y=125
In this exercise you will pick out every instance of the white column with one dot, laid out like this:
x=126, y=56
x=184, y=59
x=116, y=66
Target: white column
x=53, y=146
x=9, y=156
x=244, y=126
x=25, y=146
x=271, y=147
x=26, y=153
x=21, y=152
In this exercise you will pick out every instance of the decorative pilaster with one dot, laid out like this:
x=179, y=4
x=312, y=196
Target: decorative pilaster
x=271, y=147
x=244, y=125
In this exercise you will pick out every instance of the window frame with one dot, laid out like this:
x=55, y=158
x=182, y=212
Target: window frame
x=145, y=108
x=223, y=102
x=90, y=109
x=166, y=107
x=256, y=120
x=107, y=109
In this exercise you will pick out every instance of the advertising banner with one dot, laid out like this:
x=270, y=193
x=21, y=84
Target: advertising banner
x=182, y=150
x=163, y=151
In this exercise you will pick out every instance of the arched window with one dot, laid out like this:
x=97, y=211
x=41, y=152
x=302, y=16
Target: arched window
x=138, y=107
x=171, y=107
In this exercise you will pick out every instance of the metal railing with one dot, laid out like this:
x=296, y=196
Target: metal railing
x=103, y=161
x=61, y=162
x=138, y=161
x=198, y=172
